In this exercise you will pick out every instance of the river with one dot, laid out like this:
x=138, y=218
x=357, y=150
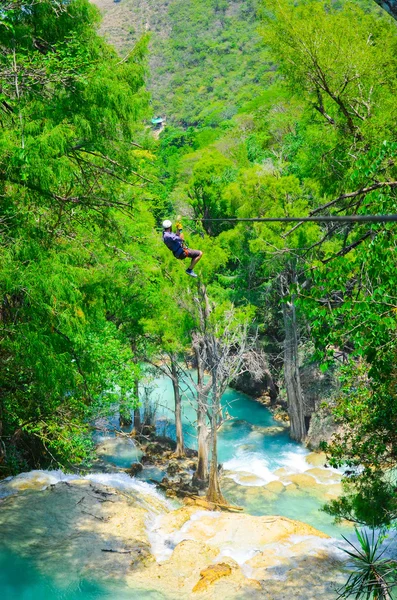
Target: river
x=254, y=450
x=252, y=446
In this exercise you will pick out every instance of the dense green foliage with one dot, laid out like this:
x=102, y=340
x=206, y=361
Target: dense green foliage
x=70, y=215
x=212, y=62
x=283, y=110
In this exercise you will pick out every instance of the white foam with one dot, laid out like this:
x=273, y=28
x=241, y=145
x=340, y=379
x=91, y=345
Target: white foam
x=295, y=461
x=37, y=479
x=104, y=437
x=163, y=544
x=122, y=481
x=159, y=545
x=240, y=555
x=246, y=462
x=251, y=463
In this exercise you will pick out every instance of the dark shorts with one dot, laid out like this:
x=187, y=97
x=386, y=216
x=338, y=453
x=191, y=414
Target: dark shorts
x=188, y=253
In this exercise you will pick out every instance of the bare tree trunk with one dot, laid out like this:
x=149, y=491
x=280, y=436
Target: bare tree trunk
x=214, y=493
x=202, y=441
x=291, y=372
x=137, y=411
x=125, y=417
x=201, y=474
x=221, y=347
x=180, y=450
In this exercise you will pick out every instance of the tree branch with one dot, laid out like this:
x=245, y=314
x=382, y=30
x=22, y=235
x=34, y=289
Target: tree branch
x=361, y=192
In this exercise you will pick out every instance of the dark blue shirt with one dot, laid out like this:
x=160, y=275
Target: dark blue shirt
x=173, y=242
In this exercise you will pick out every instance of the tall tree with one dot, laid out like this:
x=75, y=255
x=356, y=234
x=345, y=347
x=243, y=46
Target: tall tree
x=293, y=386
x=223, y=348
x=279, y=259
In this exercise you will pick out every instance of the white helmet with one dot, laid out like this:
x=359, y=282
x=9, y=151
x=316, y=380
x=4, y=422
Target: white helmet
x=167, y=224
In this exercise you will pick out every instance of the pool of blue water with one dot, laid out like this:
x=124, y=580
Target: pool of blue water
x=21, y=580
x=250, y=444
x=245, y=423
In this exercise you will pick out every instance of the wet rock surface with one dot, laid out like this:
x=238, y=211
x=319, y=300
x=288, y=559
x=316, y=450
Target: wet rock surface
x=179, y=480
x=96, y=530
x=255, y=557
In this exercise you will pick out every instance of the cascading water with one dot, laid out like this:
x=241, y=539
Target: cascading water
x=35, y=564
x=255, y=451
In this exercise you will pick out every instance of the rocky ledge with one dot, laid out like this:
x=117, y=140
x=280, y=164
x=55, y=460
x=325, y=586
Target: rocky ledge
x=135, y=536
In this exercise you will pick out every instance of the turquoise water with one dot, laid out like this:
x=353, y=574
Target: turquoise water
x=21, y=580
x=246, y=414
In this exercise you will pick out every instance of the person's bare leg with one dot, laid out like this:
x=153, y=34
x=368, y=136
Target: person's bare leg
x=195, y=261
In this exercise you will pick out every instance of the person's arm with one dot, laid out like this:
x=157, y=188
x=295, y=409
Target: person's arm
x=178, y=228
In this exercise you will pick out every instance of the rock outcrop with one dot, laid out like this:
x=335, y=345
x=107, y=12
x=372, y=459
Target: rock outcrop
x=322, y=427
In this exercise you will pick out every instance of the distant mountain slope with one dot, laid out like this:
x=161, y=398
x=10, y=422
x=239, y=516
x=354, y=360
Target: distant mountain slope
x=206, y=56
x=125, y=21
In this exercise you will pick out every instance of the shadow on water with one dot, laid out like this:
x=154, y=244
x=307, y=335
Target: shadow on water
x=21, y=580
x=51, y=548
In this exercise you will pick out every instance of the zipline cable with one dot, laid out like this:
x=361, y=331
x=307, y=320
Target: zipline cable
x=321, y=219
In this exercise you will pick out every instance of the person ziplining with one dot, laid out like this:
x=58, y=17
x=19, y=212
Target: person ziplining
x=176, y=243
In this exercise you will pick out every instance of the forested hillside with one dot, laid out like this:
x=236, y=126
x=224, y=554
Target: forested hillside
x=277, y=110
x=283, y=111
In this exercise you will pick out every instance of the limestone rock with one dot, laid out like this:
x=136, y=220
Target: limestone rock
x=300, y=571
x=333, y=491
x=280, y=472
x=119, y=446
x=292, y=489
x=277, y=487
x=302, y=480
x=322, y=427
x=271, y=430
x=98, y=531
x=211, y=574
x=324, y=475
x=175, y=519
x=248, y=479
x=226, y=529
x=101, y=533
x=317, y=459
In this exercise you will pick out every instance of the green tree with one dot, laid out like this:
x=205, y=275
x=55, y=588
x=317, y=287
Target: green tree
x=69, y=113
x=347, y=75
